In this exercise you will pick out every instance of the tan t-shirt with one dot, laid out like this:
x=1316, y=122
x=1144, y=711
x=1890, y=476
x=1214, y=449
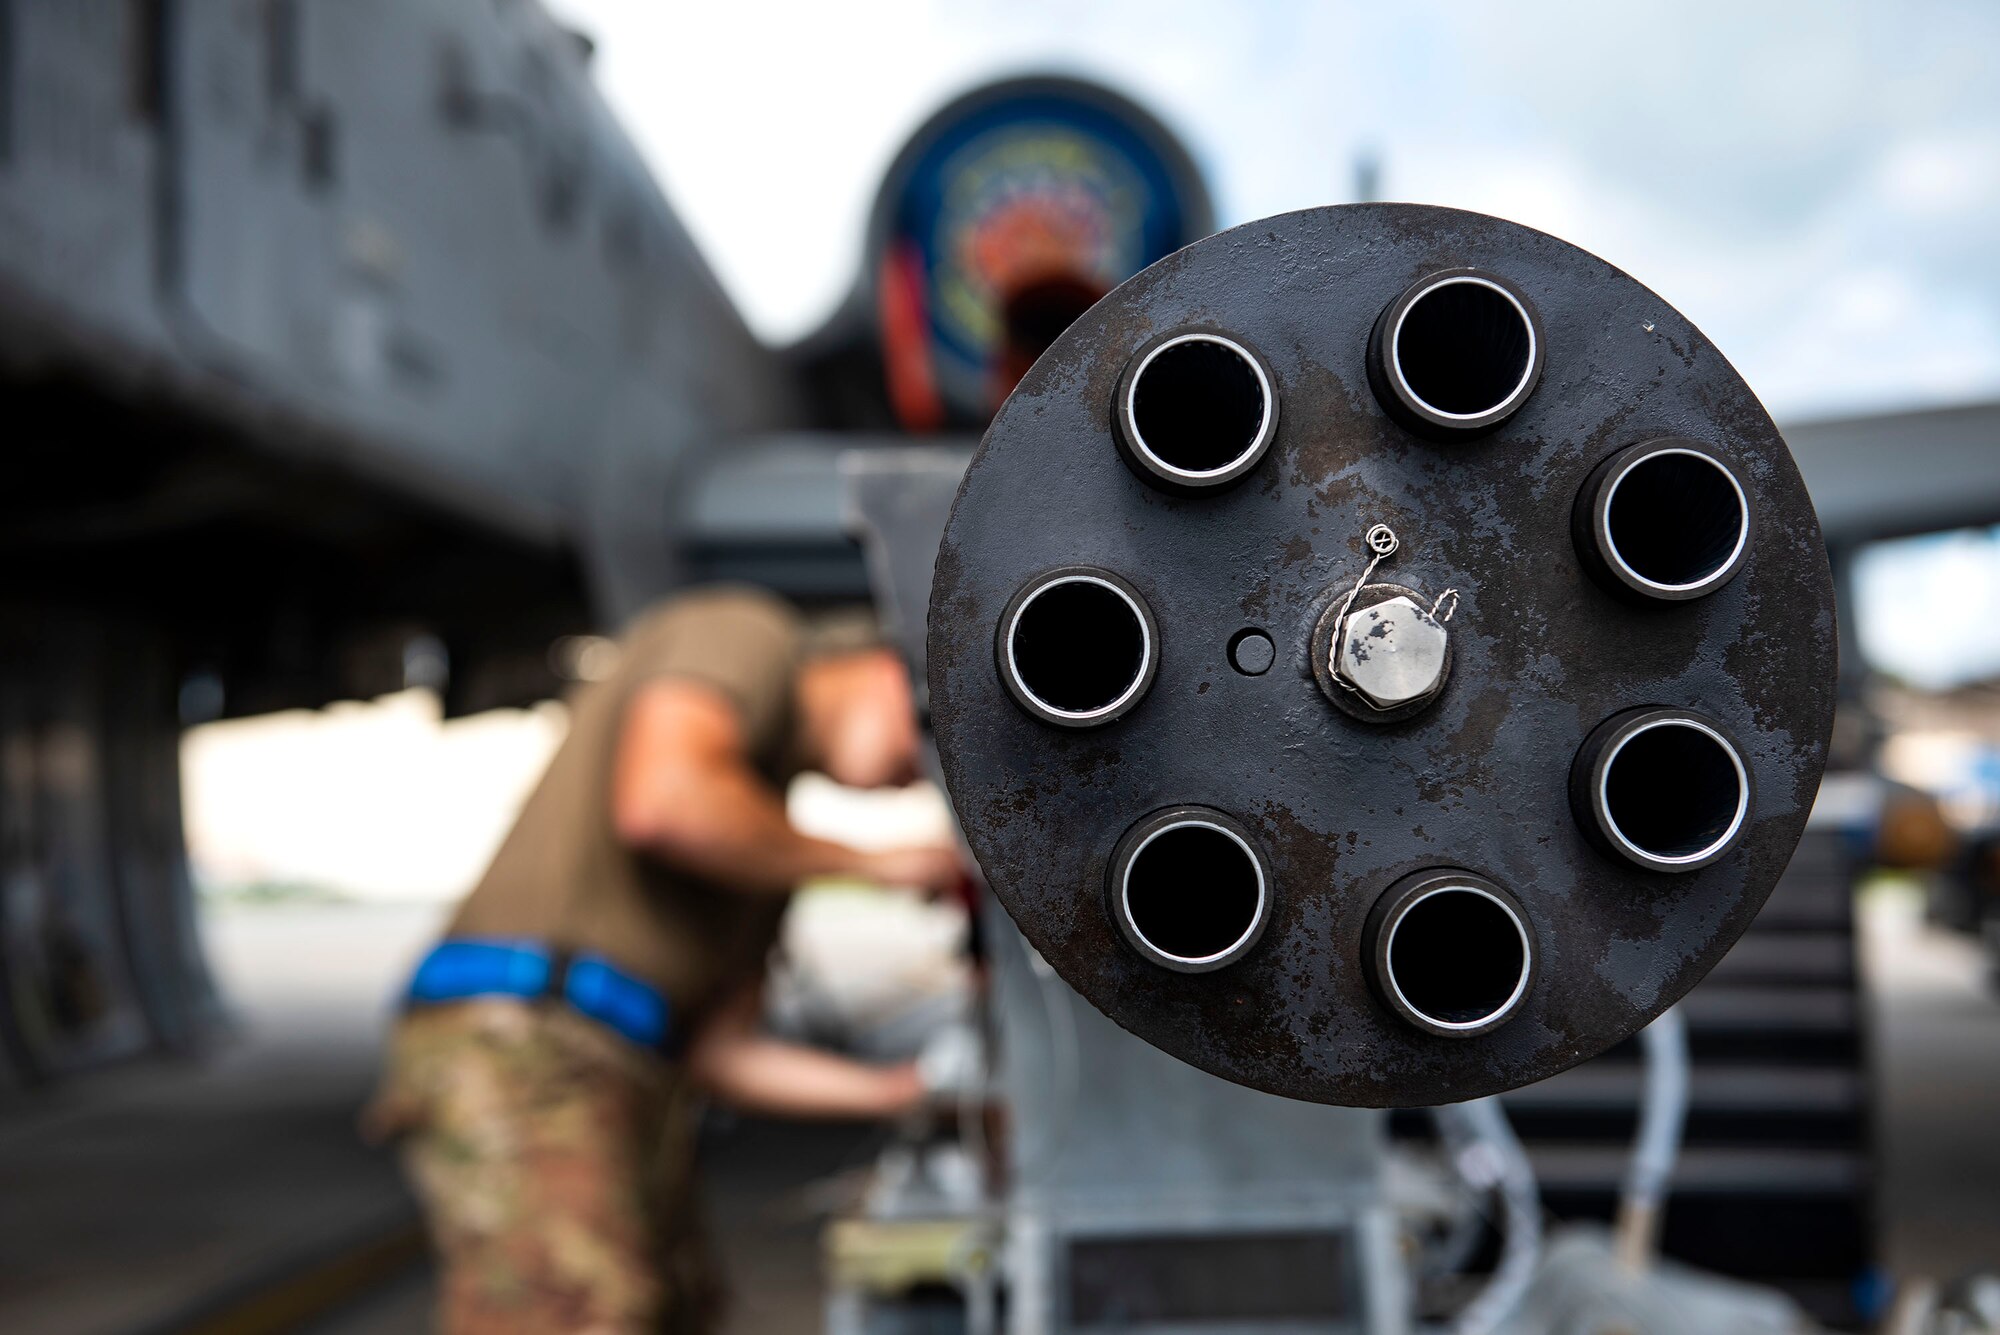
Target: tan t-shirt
x=564, y=878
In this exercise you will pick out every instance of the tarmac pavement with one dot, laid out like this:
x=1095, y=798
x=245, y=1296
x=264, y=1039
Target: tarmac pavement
x=173, y=1197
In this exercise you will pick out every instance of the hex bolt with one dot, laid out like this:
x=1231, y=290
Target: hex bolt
x=1394, y=653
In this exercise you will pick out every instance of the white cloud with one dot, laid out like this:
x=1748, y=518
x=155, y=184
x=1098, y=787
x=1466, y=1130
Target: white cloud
x=1942, y=176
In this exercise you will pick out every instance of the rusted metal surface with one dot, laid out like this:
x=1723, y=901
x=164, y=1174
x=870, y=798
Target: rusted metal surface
x=1344, y=809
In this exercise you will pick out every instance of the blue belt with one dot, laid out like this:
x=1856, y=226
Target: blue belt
x=463, y=970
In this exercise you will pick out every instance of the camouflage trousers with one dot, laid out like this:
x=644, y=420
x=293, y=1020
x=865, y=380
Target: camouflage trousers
x=554, y=1163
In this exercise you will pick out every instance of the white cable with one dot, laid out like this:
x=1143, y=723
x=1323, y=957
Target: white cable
x=1662, y=1117
x=1488, y=1156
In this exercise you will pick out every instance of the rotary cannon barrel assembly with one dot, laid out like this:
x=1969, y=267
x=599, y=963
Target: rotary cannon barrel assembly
x=1382, y=655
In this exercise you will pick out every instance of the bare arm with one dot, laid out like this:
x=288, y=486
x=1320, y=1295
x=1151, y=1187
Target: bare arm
x=683, y=790
x=742, y=1067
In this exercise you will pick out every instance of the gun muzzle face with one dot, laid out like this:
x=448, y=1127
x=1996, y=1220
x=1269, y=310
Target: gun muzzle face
x=1356, y=665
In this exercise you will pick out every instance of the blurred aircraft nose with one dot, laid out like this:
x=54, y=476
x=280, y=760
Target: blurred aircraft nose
x=1034, y=314
x=1004, y=217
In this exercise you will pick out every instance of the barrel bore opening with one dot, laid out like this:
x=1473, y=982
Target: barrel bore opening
x=1676, y=521
x=1079, y=646
x=1199, y=409
x=1674, y=791
x=1034, y=315
x=1194, y=893
x=1464, y=348
x=1458, y=957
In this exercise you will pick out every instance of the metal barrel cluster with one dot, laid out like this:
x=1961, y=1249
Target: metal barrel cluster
x=1382, y=655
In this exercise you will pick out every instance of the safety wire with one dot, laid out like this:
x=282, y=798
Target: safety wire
x=1384, y=543
x=1381, y=540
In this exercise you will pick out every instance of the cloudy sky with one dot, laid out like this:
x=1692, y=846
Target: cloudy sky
x=1816, y=184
